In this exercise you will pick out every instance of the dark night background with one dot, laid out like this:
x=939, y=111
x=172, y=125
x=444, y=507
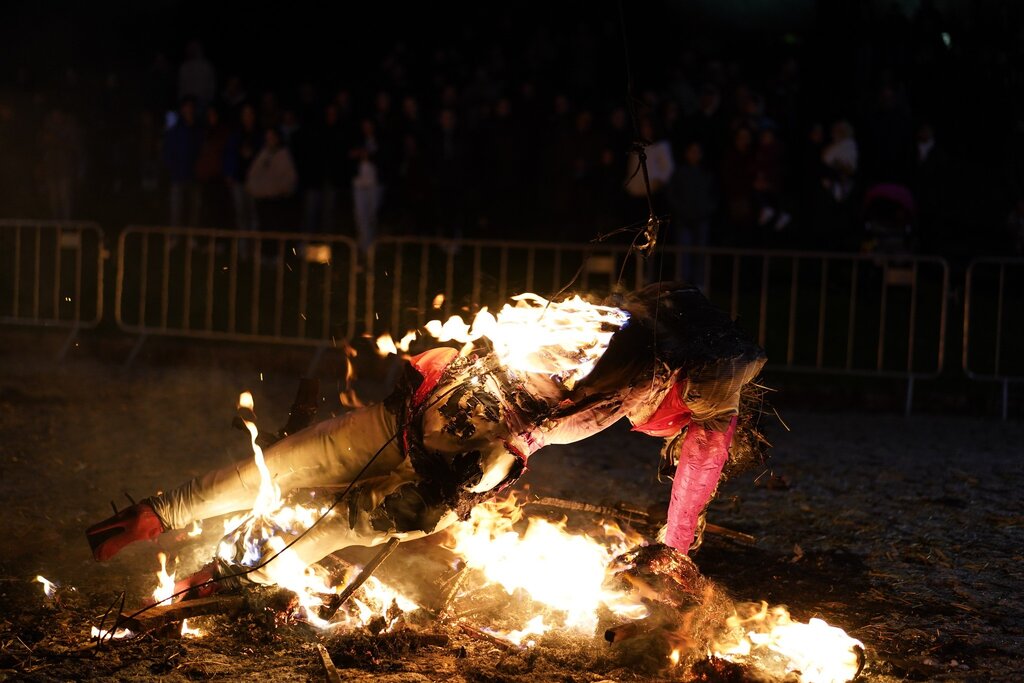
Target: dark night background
x=886, y=68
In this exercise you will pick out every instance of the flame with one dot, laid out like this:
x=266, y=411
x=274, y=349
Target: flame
x=674, y=657
x=245, y=401
x=561, y=570
x=196, y=530
x=116, y=635
x=165, y=588
x=534, y=627
x=561, y=339
x=770, y=639
x=347, y=395
x=189, y=632
x=386, y=345
x=265, y=532
x=49, y=587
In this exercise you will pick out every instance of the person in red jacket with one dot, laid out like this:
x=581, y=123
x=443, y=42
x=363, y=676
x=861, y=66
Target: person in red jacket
x=462, y=426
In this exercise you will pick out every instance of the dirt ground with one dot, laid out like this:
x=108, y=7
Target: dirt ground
x=907, y=532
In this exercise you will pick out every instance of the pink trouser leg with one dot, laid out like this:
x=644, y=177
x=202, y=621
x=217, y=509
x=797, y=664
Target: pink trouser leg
x=703, y=455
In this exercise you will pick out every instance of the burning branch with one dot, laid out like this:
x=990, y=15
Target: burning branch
x=335, y=603
x=162, y=615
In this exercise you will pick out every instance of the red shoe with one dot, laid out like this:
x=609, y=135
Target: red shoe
x=200, y=584
x=134, y=523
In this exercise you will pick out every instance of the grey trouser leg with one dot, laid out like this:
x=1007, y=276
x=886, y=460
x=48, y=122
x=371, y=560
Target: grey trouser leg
x=329, y=454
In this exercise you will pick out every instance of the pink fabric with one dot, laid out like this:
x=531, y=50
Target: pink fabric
x=431, y=365
x=670, y=416
x=703, y=455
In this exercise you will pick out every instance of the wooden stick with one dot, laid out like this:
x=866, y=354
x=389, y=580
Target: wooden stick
x=449, y=597
x=334, y=604
x=730, y=534
x=633, y=515
x=627, y=514
x=630, y=629
x=165, y=614
x=330, y=671
x=474, y=632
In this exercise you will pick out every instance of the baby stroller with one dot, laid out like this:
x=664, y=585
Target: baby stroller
x=889, y=216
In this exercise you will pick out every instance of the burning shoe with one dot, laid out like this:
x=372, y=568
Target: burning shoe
x=136, y=523
x=213, y=577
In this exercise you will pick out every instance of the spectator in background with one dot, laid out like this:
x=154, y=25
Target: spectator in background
x=307, y=145
x=242, y=148
x=450, y=157
x=707, y=126
x=271, y=182
x=583, y=153
x=738, y=174
x=931, y=186
x=660, y=167
x=694, y=199
x=337, y=168
x=366, y=187
x=196, y=77
x=888, y=140
x=180, y=153
x=210, y=167
x=232, y=98
x=815, y=198
x=768, y=185
x=840, y=158
x=414, y=187
x=61, y=161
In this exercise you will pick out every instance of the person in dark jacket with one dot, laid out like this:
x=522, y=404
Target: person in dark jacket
x=180, y=152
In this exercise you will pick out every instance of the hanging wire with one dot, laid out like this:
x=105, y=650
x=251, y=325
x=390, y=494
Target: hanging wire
x=653, y=226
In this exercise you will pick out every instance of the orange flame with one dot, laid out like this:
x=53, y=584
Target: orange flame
x=771, y=640
x=561, y=570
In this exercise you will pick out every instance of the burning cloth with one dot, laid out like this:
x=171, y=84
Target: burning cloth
x=462, y=425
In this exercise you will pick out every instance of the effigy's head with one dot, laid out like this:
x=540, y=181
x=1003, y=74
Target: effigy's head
x=675, y=334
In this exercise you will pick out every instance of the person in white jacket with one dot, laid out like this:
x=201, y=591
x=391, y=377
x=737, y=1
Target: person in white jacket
x=272, y=180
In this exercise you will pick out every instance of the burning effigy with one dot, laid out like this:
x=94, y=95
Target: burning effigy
x=440, y=455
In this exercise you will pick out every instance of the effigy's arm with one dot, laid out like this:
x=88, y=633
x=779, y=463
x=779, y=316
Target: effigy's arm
x=703, y=454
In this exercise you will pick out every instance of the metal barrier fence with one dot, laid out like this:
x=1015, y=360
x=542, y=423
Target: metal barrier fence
x=840, y=313
x=51, y=274
x=994, y=322
x=242, y=286
x=827, y=313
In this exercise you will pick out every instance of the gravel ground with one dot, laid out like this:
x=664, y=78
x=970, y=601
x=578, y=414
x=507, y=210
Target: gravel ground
x=908, y=532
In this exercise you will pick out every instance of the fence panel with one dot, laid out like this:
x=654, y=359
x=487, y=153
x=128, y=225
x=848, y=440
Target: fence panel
x=994, y=322
x=243, y=286
x=827, y=312
x=51, y=273
x=411, y=280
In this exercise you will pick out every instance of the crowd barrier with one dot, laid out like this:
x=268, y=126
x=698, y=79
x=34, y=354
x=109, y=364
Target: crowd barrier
x=881, y=315
x=271, y=287
x=994, y=323
x=51, y=274
x=832, y=313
